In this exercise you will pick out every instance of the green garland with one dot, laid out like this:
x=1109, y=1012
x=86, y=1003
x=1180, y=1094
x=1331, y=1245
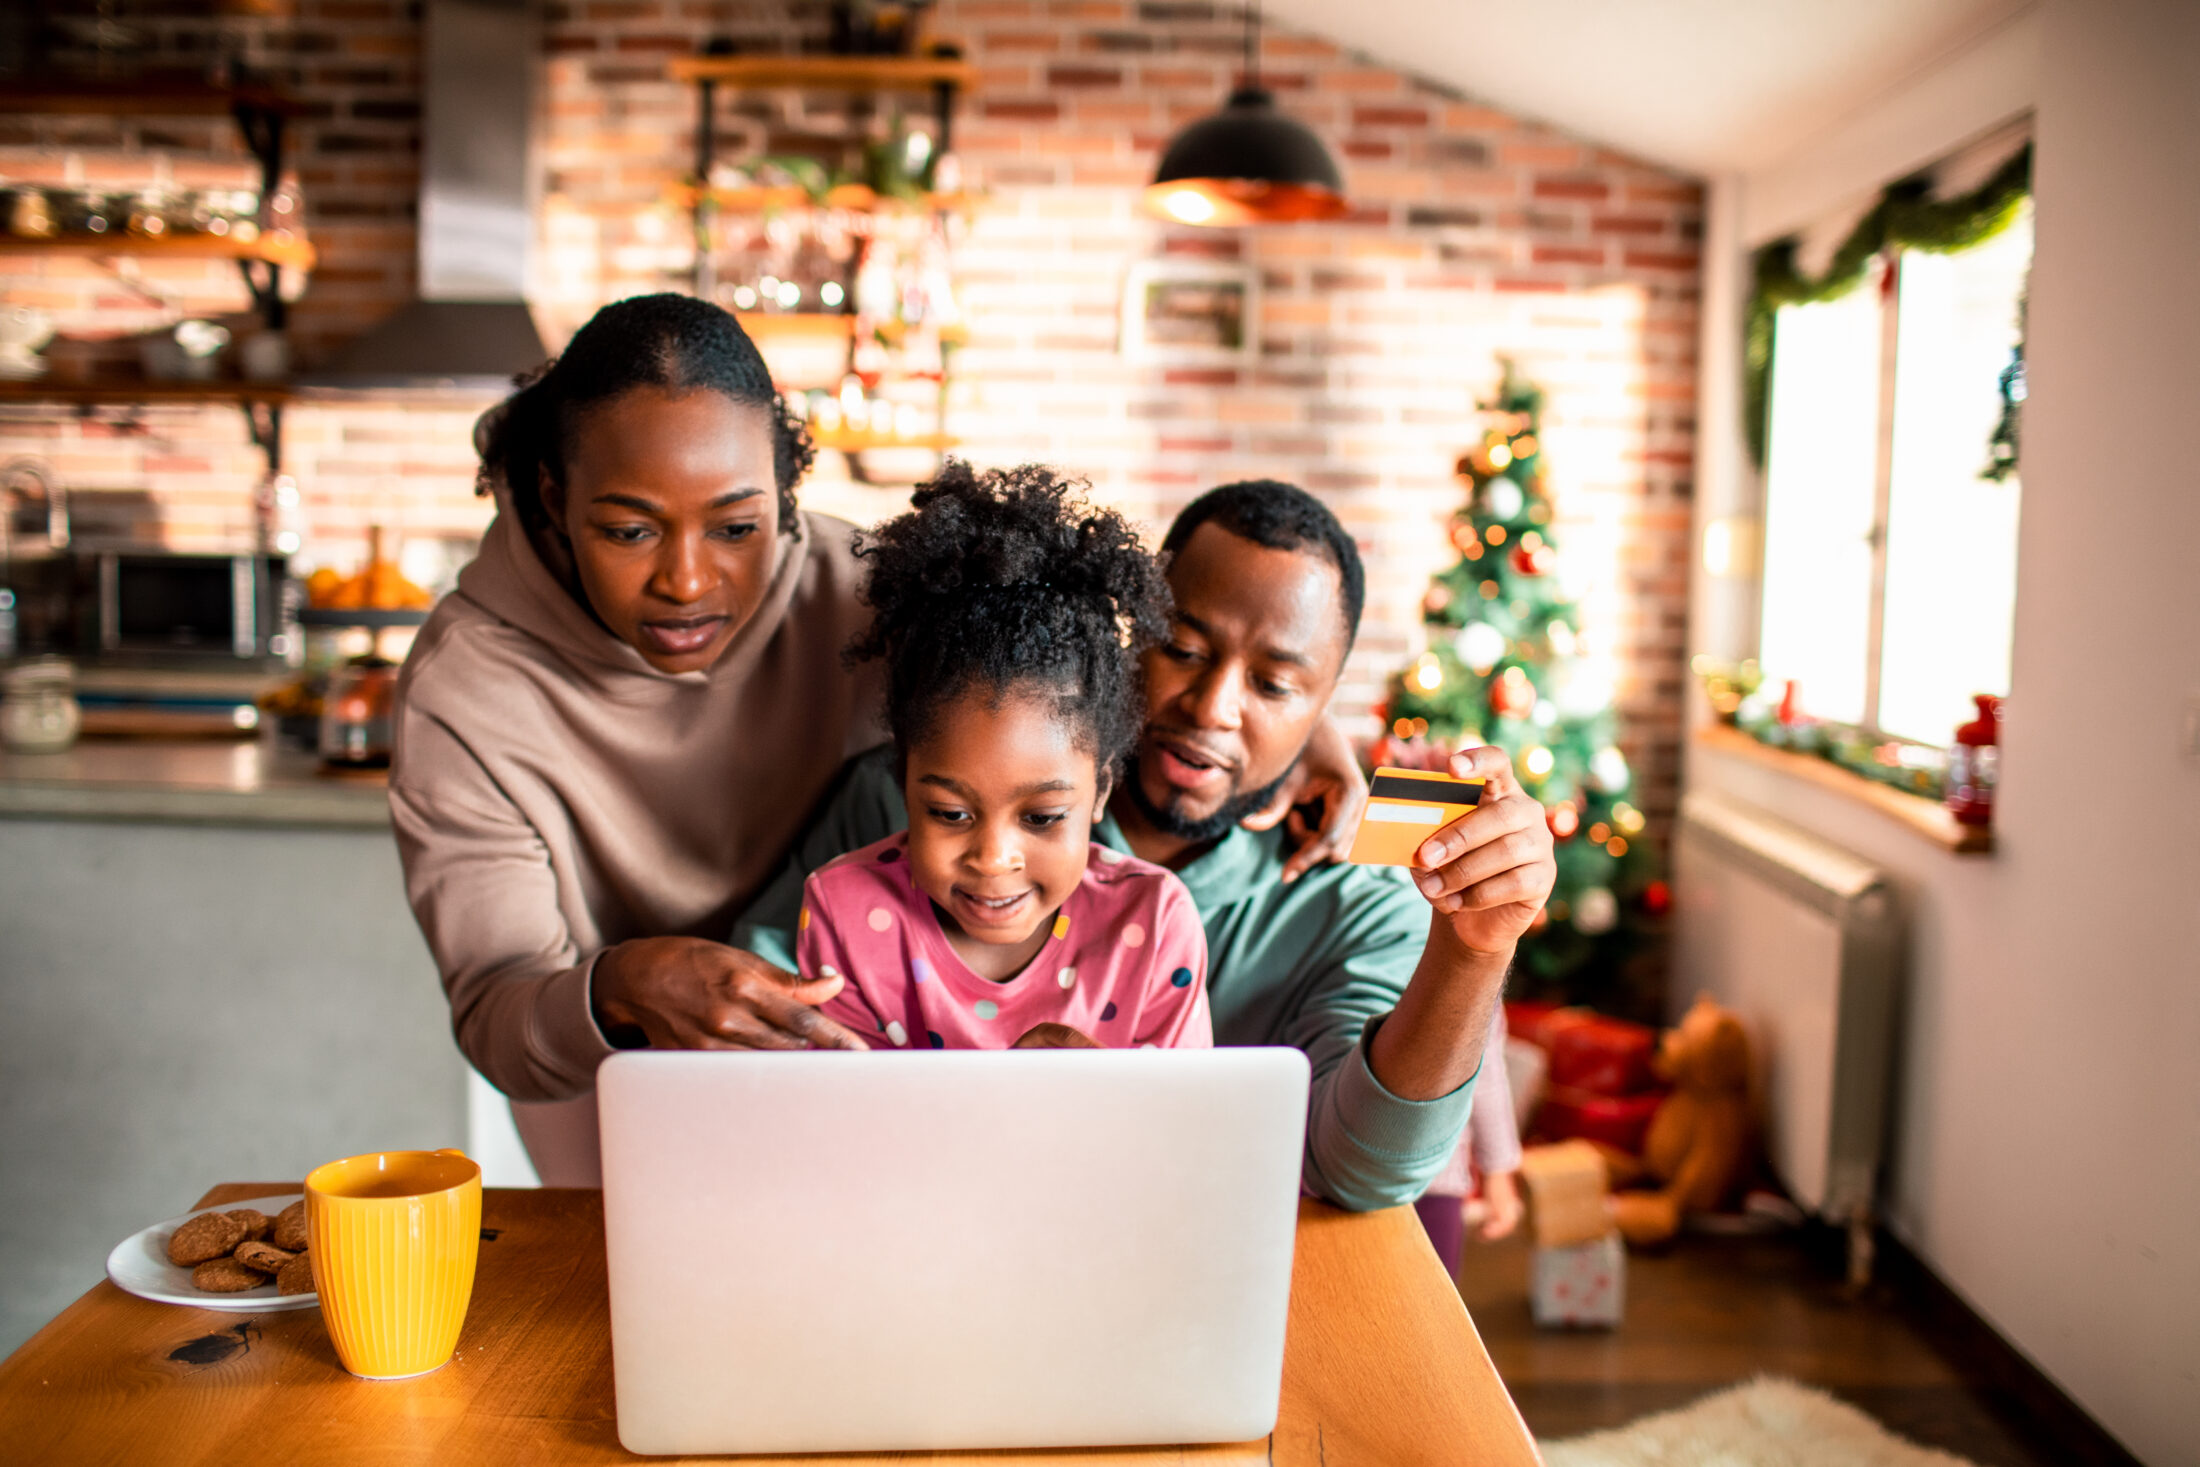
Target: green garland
x=1904, y=218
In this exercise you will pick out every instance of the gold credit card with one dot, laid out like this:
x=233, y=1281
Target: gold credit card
x=1404, y=808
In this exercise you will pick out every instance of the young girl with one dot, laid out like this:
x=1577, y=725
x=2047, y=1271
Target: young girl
x=1010, y=617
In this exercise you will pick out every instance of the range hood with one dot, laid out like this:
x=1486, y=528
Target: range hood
x=471, y=328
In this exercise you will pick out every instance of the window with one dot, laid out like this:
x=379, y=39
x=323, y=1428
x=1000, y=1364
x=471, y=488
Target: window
x=1889, y=561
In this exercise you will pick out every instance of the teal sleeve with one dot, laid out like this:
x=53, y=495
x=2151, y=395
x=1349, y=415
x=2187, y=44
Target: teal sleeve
x=1366, y=1147
x=865, y=806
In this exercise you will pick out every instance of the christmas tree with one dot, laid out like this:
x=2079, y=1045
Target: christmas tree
x=1504, y=666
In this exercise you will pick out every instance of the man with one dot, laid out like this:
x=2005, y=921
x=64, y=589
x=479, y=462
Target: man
x=1389, y=990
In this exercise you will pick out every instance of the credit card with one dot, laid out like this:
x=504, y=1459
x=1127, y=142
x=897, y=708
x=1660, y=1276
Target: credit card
x=1404, y=808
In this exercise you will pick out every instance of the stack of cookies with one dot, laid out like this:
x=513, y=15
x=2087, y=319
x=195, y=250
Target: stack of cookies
x=229, y=1252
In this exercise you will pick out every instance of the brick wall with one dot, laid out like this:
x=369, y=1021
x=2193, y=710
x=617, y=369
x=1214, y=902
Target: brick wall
x=1474, y=234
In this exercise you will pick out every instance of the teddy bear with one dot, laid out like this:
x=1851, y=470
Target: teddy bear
x=1698, y=1144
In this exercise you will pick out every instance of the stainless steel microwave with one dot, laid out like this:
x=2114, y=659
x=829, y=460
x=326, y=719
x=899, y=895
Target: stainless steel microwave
x=151, y=602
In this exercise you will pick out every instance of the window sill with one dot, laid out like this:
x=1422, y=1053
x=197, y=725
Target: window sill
x=1922, y=816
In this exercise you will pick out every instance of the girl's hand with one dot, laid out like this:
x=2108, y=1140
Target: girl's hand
x=1501, y=1193
x=1056, y=1036
x=1491, y=870
x=1326, y=773
x=687, y=993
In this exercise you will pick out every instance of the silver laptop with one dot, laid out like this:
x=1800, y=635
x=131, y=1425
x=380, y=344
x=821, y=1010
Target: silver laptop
x=823, y=1252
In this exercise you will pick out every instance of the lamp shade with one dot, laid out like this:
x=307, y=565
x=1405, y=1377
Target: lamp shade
x=1247, y=164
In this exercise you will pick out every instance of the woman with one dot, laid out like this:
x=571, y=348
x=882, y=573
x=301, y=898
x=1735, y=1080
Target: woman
x=612, y=731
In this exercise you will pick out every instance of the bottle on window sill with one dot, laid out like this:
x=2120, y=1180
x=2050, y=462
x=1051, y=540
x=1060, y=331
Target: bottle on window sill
x=1974, y=764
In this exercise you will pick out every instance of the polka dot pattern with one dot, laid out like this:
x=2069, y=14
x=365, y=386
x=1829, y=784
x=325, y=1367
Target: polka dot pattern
x=827, y=970
x=986, y=1009
x=1061, y=924
x=1107, y=1013
x=889, y=856
x=1182, y=978
x=1134, y=935
x=934, y=1036
x=920, y=969
x=1067, y=977
x=802, y=923
x=1109, y=854
x=880, y=919
x=895, y=1032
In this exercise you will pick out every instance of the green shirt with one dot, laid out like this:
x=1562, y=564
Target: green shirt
x=1316, y=964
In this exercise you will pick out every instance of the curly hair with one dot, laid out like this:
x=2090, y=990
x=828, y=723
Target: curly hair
x=671, y=341
x=1009, y=581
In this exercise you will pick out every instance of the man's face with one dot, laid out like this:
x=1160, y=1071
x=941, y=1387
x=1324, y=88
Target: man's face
x=1235, y=689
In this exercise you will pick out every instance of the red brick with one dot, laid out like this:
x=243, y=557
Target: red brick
x=1085, y=76
x=1390, y=117
x=1589, y=189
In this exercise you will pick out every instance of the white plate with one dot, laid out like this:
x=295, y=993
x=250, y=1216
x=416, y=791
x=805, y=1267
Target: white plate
x=140, y=1265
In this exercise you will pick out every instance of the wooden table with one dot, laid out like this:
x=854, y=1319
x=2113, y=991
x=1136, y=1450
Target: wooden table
x=1381, y=1368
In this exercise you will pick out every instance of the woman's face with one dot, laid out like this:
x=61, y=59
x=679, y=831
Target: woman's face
x=673, y=512
x=1001, y=804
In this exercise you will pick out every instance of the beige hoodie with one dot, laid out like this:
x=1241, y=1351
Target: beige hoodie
x=553, y=794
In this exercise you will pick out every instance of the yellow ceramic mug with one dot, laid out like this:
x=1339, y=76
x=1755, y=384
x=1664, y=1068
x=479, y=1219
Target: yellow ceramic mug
x=394, y=1238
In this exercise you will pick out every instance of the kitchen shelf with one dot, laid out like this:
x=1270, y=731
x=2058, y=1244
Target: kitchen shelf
x=145, y=394
x=377, y=619
x=158, y=94
x=286, y=250
x=810, y=325
x=828, y=73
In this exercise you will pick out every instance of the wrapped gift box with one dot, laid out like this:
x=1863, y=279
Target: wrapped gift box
x=1600, y=1055
x=1583, y=1284
x=1616, y=1120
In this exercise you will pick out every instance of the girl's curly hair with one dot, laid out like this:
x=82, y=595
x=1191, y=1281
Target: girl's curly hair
x=670, y=341
x=1010, y=581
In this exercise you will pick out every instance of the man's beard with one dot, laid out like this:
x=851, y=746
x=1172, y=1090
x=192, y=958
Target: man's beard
x=1199, y=832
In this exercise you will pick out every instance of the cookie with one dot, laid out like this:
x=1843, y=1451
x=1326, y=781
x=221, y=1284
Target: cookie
x=226, y=1276
x=208, y=1236
x=290, y=1227
x=257, y=1224
x=262, y=1257
x=296, y=1276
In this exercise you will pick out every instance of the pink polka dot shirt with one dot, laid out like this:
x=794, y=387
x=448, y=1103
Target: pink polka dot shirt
x=1125, y=961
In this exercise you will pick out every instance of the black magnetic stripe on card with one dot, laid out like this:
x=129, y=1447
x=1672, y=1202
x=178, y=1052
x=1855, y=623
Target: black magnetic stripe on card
x=1426, y=791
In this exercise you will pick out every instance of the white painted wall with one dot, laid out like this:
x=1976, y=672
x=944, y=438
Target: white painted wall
x=2046, y=1152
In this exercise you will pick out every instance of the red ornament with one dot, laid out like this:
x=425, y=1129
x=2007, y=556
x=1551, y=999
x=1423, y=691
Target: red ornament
x=1531, y=562
x=1512, y=695
x=1657, y=898
x=1974, y=764
x=1564, y=820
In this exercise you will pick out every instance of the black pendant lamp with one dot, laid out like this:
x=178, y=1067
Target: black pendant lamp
x=1247, y=164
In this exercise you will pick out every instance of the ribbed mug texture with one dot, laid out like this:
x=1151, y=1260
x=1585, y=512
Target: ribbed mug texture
x=395, y=1236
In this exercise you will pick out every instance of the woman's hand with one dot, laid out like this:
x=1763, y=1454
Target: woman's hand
x=687, y=993
x=1491, y=870
x=1056, y=1036
x=1328, y=774
x=1501, y=1192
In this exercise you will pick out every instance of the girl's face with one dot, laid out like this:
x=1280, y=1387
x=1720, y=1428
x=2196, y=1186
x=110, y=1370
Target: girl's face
x=1001, y=805
x=672, y=508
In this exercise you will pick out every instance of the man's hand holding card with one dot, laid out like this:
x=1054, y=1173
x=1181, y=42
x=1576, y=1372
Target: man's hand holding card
x=1478, y=844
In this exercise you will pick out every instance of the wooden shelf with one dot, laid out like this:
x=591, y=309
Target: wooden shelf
x=145, y=394
x=845, y=441
x=156, y=94
x=834, y=73
x=807, y=325
x=854, y=197
x=276, y=249
x=1926, y=817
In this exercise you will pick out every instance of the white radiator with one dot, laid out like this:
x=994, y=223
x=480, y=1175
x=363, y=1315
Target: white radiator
x=1802, y=940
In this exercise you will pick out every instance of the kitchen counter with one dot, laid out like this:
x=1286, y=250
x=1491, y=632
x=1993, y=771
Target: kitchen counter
x=191, y=782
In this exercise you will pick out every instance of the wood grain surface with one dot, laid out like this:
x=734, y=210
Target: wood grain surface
x=1381, y=1367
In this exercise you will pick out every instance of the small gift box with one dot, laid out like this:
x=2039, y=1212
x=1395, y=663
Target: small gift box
x=1581, y=1284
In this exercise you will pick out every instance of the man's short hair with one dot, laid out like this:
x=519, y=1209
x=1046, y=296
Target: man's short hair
x=1281, y=517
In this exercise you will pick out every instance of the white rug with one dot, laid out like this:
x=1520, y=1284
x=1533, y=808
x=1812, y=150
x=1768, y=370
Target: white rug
x=1766, y=1422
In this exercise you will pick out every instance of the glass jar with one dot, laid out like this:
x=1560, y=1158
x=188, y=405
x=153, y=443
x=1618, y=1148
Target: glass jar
x=38, y=708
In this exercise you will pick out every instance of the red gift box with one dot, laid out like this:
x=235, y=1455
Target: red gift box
x=1598, y=1054
x=1527, y=1019
x=1616, y=1120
